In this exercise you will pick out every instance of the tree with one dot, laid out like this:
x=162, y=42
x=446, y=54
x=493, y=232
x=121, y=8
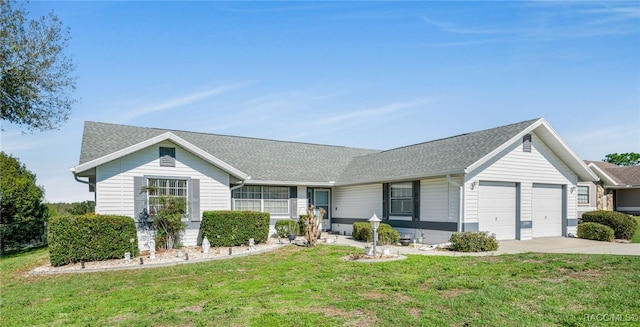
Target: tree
x=36, y=78
x=623, y=159
x=168, y=223
x=312, y=225
x=23, y=214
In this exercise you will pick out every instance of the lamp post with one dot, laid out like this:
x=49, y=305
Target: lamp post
x=375, y=222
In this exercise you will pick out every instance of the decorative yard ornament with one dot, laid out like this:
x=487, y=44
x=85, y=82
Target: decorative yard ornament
x=206, y=245
x=152, y=249
x=375, y=222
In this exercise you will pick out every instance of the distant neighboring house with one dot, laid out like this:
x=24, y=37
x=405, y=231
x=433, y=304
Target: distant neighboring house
x=518, y=181
x=618, y=189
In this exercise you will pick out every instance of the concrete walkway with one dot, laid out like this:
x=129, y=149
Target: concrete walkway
x=541, y=245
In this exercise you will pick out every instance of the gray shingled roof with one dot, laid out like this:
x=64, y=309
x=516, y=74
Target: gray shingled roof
x=261, y=159
x=434, y=158
x=620, y=175
x=271, y=160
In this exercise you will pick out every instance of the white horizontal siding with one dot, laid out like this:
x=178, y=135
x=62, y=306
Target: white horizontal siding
x=115, y=190
x=439, y=200
x=540, y=165
x=360, y=201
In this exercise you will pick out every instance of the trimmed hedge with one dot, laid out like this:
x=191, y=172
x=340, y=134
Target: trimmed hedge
x=232, y=228
x=624, y=226
x=90, y=237
x=473, y=242
x=362, y=231
x=595, y=231
x=284, y=227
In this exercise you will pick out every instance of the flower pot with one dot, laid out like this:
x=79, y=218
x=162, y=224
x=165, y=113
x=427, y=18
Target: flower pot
x=292, y=237
x=405, y=241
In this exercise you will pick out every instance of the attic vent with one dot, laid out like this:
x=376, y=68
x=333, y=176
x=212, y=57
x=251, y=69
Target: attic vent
x=526, y=143
x=167, y=157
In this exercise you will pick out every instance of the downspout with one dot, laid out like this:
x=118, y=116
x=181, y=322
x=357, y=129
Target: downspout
x=87, y=183
x=237, y=187
x=461, y=190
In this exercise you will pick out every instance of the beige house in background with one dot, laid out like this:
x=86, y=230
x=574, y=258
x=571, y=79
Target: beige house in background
x=618, y=189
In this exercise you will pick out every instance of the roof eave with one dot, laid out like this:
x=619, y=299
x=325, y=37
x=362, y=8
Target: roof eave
x=168, y=136
x=457, y=171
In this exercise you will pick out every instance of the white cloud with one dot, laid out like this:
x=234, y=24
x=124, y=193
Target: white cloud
x=174, y=103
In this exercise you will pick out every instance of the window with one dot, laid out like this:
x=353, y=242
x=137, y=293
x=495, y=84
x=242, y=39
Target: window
x=401, y=198
x=167, y=157
x=583, y=194
x=159, y=187
x=271, y=199
x=248, y=198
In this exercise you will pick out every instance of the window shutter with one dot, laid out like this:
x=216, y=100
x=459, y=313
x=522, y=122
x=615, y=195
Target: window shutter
x=139, y=198
x=416, y=200
x=385, y=201
x=194, y=199
x=293, y=201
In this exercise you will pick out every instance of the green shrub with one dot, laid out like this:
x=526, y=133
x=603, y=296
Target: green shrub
x=284, y=227
x=232, y=228
x=595, y=231
x=624, y=226
x=77, y=238
x=473, y=242
x=362, y=231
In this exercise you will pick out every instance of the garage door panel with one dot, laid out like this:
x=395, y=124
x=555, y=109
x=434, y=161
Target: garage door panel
x=547, y=210
x=497, y=209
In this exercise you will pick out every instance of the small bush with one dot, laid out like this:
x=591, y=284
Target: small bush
x=624, y=226
x=595, y=231
x=232, y=228
x=284, y=227
x=90, y=237
x=473, y=242
x=362, y=231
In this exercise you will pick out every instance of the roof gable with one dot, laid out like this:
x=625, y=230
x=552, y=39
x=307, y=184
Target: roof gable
x=167, y=136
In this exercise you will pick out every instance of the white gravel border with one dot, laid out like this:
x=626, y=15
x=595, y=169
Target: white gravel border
x=162, y=259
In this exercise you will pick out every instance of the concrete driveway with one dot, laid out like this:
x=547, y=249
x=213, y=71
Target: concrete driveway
x=542, y=245
x=569, y=245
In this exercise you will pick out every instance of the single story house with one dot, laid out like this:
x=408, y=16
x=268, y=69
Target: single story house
x=518, y=181
x=618, y=189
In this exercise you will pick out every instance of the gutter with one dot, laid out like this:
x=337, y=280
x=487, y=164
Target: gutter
x=239, y=185
x=461, y=204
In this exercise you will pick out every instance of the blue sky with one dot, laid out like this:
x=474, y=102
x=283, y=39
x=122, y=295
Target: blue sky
x=363, y=74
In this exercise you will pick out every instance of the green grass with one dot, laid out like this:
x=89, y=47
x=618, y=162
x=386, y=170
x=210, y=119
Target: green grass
x=636, y=237
x=296, y=286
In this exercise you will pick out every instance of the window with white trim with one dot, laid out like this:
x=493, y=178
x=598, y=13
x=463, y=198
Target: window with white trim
x=583, y=194
x=271, y=199
x=401, y=198
x=159, y=187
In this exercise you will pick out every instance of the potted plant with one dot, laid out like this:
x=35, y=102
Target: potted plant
x=405, y=240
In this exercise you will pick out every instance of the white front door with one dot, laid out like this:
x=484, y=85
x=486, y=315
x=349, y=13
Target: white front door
x=497, y=209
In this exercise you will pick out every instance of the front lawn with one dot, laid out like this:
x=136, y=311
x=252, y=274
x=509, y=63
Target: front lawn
x=296, y=286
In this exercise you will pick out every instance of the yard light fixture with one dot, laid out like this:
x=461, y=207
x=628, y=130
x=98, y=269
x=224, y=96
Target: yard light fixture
x=375, y=222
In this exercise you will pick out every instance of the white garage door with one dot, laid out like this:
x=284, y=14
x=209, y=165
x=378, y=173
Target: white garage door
x=497, y=209
x=547, y=210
